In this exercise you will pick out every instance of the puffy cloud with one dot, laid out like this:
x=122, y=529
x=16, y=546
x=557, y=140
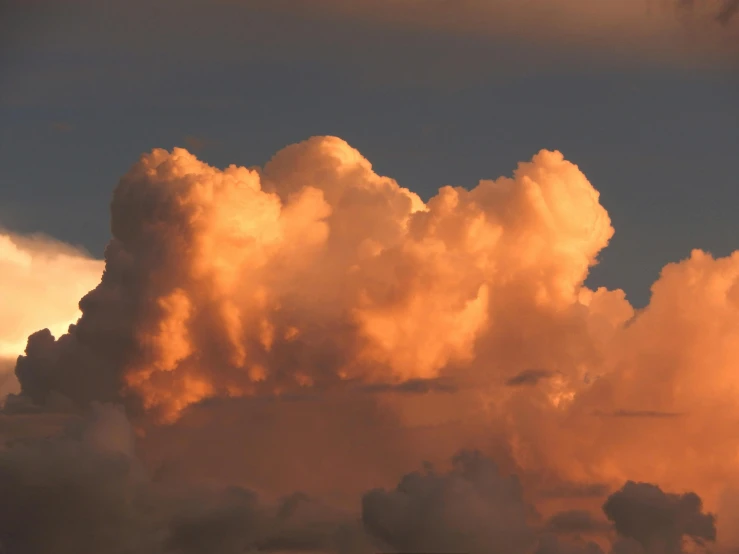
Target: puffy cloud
x=312, y=325
x=312, y=272
x=470, y=509
x=657, y=520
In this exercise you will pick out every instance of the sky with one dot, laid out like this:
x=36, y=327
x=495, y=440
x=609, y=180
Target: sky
x=361, y=276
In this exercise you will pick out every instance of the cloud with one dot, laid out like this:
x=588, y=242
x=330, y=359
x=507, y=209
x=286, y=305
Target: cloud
x=191, y=275
x=77, y=483
x=72, y=493
x=313, y=326
x=473, y=508
x=8, y=382
x=636, y=30
x=470, y=509
x=657, y=520
x=529, y=377
x=577, y=490
x=728, y=12
x=41, y=281
x=576, y=521
x=643, y=414
x=83, y=490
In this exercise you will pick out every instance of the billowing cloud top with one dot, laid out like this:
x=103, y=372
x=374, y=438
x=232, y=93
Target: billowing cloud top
x=312, y=272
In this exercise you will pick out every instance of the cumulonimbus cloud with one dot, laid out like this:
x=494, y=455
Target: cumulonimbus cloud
x=260, y=324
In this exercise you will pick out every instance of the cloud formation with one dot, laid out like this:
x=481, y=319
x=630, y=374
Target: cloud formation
x=83, y=490
x=314, y=272
x=314, y=327
x=659, y=521
x=41, y=281
x=470, y=509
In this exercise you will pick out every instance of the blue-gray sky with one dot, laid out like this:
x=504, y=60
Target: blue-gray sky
x=432, y=99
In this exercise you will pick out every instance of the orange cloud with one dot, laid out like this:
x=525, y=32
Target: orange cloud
x=313, y=296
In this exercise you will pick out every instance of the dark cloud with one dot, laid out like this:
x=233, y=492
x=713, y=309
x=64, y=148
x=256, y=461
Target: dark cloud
x=235, y=521
x=471, y=509
x=73, y=493
x=75, y=484
x=237, y=325
x=82, y=490
x=529, y=377
x=79, y=366
x=655, y=519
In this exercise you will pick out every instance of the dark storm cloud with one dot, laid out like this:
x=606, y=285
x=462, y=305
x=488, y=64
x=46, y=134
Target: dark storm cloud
x=653, y=518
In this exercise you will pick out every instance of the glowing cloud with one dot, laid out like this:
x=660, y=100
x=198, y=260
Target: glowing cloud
x=290, y=306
